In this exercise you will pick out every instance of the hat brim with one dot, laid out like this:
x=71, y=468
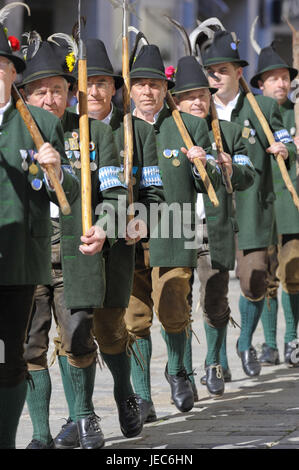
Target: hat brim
x=222, y=60
x=257, y=76
x=19, y=63
x=148, y=74
x=47, y=74
x=191, y=87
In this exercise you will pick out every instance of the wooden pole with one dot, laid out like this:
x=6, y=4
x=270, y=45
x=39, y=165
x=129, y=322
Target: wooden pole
x=38, y=142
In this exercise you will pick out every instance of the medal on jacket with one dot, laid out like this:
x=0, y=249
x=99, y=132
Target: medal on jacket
x=33, y=168
x=92, y=154
x=167, y=153
x=74, y=144
x=251, y=139
x=77, y=163
x=24, y=163
x=36, y=184
x=246, y=132
x=176, y=162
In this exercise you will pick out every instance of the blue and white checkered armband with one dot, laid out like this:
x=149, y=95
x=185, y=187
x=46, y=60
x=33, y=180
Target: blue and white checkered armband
x=212, y=162
x=108, y=177
x=283, y=136
x=150, y=176
x=242, y=160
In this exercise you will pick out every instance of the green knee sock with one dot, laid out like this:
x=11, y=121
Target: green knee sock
x=214, y=341
x=120, y=368
x=188, y=355
x=83, y=385
x=290, y=305
x=269, y=321
x=176, y=344
x=142, y=378
x=250, y=314
x=67, y=386
x=223, y=352
x=12, y=400
x=38, y=402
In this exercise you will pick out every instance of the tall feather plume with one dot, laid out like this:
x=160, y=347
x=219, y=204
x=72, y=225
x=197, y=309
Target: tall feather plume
x=5, y=11
x=203, y=34
x=183, y=33
x=254, y=43
x=32, y=38
x=139, y=37
x=70, y=40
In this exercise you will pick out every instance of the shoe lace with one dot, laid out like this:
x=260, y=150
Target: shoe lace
x=93, y=422
x=219, y=373
x=183, y=373
x=132, y=404
x=253, y=353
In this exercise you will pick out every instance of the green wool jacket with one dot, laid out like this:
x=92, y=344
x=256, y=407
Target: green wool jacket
x=84, y=276
x=255, y=205
x=221, y=221
x=287, y=214
x=147, y=189
x=25, y=224
x=172, y=242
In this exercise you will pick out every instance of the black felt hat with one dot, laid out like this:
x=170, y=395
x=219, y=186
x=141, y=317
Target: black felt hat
x=222, y=49
x=190, y=76
x=270, y=60
x=149, y=64
x=45, y=60
x=98, y=62
x=6, y=51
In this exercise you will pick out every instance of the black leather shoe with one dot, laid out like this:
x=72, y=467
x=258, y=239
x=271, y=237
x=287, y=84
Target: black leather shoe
x=35, y=444
x=250, y=363
x=269, y=356
x=227, y=376
x=147, y=409
x=90, y=433
x=215, y=381
x=291, y=356
x=181, y=390
x=68, y=437
x=129, y=415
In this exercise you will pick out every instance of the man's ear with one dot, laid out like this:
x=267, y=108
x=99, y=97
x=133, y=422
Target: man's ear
x=261, y=85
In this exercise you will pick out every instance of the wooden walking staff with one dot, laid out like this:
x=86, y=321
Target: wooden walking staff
x=84, y=131
x=271, y=140
x=128, y=127
x=219, y=145
x=38, y=142
x=189, y=143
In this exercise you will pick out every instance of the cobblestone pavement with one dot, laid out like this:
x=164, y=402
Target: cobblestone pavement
x=257, y=413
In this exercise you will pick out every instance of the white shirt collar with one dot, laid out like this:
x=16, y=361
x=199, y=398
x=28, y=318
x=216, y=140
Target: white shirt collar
x=107, y=119
x=224, y=112
x=5, y=108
